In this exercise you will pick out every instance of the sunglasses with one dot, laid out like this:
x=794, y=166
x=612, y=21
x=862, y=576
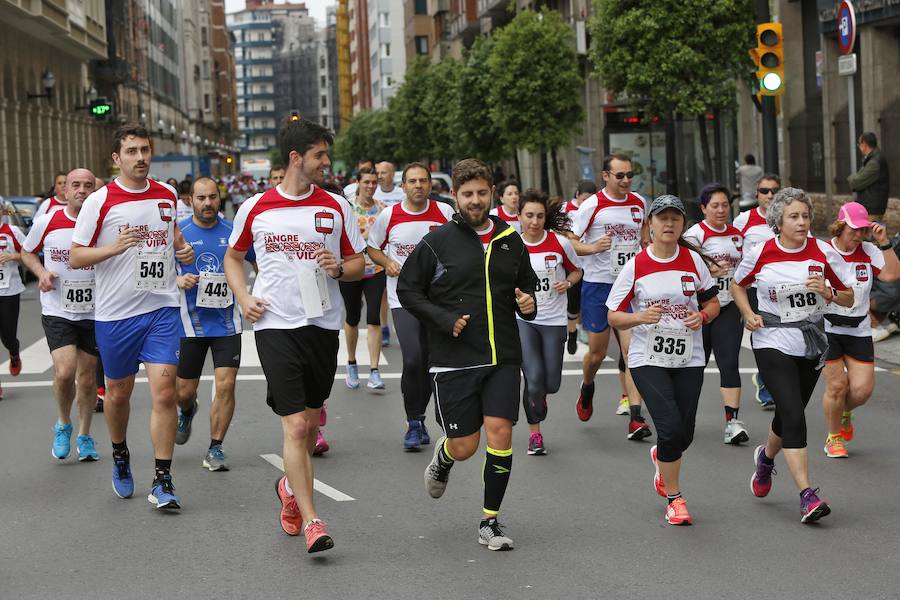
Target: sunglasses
x=765, y=191
x=622, y=174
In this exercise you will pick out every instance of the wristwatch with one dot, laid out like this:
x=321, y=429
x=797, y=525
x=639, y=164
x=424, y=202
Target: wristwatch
x=340, y=271
x=887, y=246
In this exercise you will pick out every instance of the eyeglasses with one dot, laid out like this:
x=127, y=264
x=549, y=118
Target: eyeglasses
x=622, y=174
x=765, y=191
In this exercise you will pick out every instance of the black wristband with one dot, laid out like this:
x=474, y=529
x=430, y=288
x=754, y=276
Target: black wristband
x=887, y=246
x=340, y=271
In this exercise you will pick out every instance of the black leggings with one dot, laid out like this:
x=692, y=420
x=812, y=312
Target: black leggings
x=723, y=336
x=9, y=323
x=415, y=383
x=353, y=292
x=671, y=396
x=791, y=379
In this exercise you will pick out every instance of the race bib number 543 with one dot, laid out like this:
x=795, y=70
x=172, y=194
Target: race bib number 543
x=151, y=270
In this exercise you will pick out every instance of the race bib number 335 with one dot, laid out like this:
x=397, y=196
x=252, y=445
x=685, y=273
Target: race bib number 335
x=670, y=347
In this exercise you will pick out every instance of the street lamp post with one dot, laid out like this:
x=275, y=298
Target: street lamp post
x=48, y=81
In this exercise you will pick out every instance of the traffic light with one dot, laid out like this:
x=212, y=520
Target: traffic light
x=295, y=116
x=229, y=159
x=101, y=108
x=769, y=58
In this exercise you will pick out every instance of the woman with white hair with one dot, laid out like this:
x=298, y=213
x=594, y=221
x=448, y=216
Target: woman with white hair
x=795, y=278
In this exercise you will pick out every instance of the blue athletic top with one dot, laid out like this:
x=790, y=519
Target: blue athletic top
x=209, y=251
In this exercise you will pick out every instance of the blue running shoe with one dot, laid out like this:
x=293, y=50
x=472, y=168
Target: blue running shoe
x=413, y=438
x=183, y=431
x=763, y=395
x=352, y=376
x=122, y=482
x=87, y=450
x=375, y=383
x=162, y=494
x=426, y=439
x=62, y=440
x=385, y=336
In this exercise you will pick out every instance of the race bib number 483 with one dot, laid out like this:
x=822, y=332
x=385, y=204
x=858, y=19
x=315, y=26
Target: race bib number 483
x=77, y=295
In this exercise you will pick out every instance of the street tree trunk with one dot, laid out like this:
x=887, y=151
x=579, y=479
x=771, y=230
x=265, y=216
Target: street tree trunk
x=704, y=149
x=556, y=177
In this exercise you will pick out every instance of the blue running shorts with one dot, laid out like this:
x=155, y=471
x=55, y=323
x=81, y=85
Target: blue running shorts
x=153, y=337
x=593, y=306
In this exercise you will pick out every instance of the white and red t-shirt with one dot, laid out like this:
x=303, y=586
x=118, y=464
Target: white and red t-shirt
x=570, y=209
x=780, y=276
x=753, y=226
x=512, y=220
x=622, y=220
x=674, y=284
x=121, y=290
x=50, y=206
x=397, y=231
x=395, y=196
x=860, y=268
x=11, y=238
x=285, y=231
x=52, y=235
x=725, y=246
x=552, y=259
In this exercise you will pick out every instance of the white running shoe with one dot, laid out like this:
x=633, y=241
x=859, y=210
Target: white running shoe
x=736, y=432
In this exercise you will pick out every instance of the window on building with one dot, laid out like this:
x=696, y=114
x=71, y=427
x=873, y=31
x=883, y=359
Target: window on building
x=384, y=19
x=205, y=69
x=324, y=120
x=205, y=101
x=322, y=64
x=204, y=41
x=389, y=82
x=421, y=44
x=385, y=50
x=421, y=7
x=322, y=81
x=324, y=101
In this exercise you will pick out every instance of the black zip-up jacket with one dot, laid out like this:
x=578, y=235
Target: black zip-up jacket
x=449, y=275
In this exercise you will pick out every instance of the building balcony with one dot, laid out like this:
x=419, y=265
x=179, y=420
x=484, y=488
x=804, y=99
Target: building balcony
x=256, y=79
x=258, y=131
x=257, y=96
x=79, y=34
x=254, y=44
x=491, y=8
x=438, y=6
x=251, y=25
x=254, y=61
x=264, y=114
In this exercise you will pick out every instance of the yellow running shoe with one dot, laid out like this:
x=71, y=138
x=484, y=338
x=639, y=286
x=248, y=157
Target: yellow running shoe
x=622, y=409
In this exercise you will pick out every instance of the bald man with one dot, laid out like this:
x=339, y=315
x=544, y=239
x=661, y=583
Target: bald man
x=386, y=192
x=67, y=314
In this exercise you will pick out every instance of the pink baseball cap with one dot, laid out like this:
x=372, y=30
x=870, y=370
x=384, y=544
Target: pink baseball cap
x=854, y=214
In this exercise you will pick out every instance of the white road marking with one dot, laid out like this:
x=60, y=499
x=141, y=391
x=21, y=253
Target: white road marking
x=340, y=376
x=35, y=358
x=323, y=488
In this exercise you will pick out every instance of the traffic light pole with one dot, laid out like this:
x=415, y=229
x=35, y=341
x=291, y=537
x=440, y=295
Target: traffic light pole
x=769, y=121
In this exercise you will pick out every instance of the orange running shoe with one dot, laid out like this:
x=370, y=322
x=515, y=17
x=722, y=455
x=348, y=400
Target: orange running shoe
x=835, y=448
x=847, y=427
x=15, y=365
x=290, y=518
x=317, y=538
x=677, y=513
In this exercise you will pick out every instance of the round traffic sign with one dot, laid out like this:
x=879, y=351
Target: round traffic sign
x=846, y=20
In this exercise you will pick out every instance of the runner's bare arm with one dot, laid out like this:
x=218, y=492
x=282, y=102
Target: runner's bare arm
x=87, y=256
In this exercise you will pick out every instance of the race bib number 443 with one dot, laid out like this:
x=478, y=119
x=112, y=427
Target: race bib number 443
x=213, y=292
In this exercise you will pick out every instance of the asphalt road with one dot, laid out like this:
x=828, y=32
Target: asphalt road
x=585, y=519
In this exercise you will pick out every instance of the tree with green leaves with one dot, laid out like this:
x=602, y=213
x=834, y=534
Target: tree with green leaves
x=535, y=82
x=442, y=109
x=479, y=135
x=367, y=136
x=408, y=120
x=674, y=57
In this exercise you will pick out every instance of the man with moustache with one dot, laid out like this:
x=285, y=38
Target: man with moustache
x=67, y=315
x=211, y=319
x=465, y=282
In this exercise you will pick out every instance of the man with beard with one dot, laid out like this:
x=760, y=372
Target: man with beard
x=211, y=320
x=305, y=239
x=464, y=282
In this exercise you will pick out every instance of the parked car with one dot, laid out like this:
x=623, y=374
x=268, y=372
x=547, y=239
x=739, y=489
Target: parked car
x=20, y=210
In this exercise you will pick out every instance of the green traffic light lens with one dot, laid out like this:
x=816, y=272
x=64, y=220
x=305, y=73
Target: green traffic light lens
x=768, y=37
x=771, y=82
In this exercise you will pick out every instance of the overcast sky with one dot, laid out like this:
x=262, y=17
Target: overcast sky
x=316, y=7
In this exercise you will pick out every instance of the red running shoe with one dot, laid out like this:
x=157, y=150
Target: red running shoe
x=321, y=445
x=761, y=482
x=290, y=518
x=317, y=538
x=677, y=513
x=15, y=365
x=638, y=429
x=585, y=405
x=657, y=478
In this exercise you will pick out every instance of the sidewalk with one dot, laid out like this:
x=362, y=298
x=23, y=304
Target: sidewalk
x=889, y=350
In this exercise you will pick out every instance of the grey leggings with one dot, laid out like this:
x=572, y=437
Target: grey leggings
x=542, y=359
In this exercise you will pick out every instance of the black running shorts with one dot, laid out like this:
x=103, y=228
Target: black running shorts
x=299, y=365
x=860, y=349
x=464, y=397
x=226, y=352
x=63, y=332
